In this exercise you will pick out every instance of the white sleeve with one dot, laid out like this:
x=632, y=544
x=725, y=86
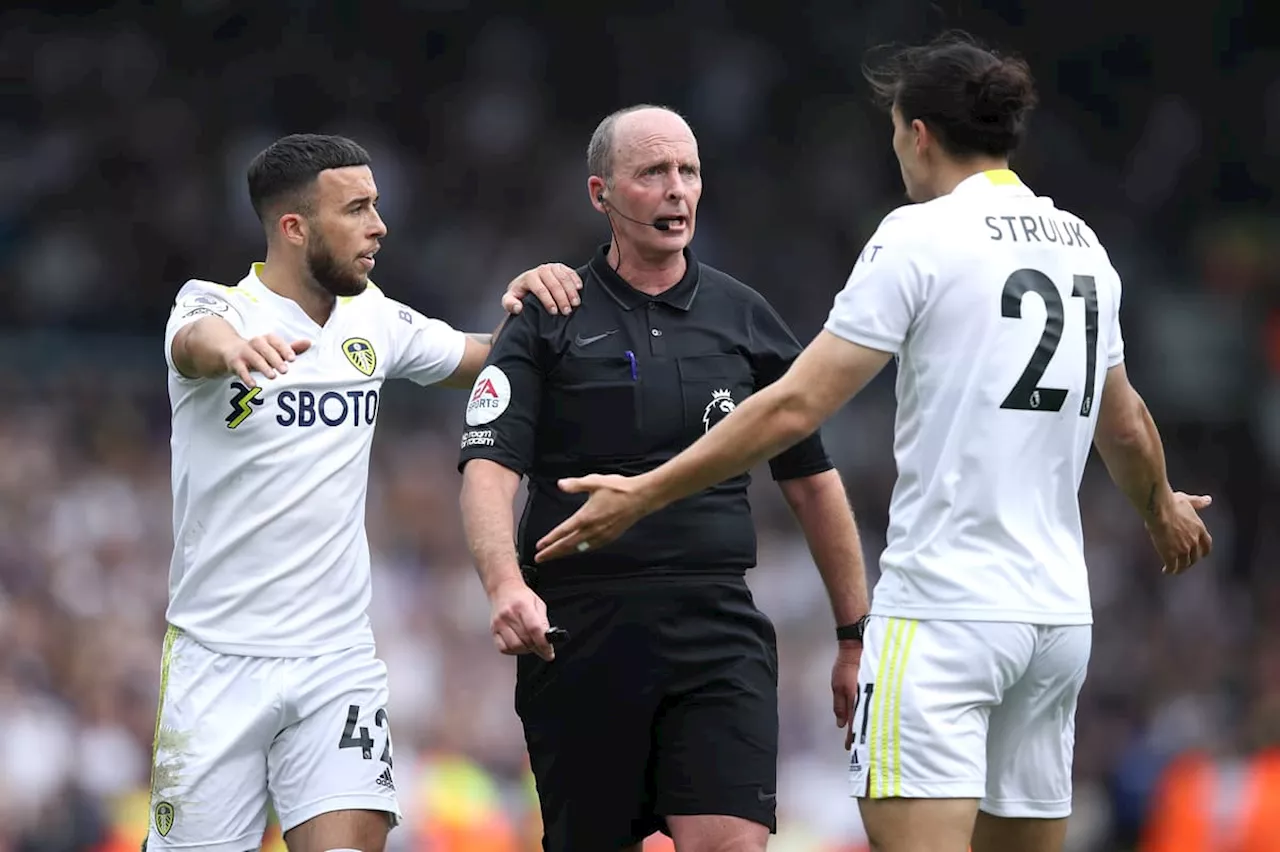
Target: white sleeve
x=885, y=291
x=425, y=350
x=1115, y=343
x=196, y=300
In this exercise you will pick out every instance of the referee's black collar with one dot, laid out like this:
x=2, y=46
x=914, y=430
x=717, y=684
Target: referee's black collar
x=679, y=297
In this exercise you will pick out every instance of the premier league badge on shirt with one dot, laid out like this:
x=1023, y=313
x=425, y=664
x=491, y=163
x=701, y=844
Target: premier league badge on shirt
x=720, y=407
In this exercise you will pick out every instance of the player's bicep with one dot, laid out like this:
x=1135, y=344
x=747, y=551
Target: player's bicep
x=828, y=373
x=196, y=301
x=1121, y=411
x=182, y=355
x=464, y=375
x=774, y=349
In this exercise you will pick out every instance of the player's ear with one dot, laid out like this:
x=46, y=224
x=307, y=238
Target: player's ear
x=293, y=228
x=921, y=138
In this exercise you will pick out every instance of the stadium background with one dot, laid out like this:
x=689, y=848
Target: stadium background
x=124, y=135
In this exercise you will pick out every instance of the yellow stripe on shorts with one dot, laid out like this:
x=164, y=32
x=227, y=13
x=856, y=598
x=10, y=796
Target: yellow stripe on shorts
x=886, y=741
x=897, y=704
x=166, y=655
x=875, y=747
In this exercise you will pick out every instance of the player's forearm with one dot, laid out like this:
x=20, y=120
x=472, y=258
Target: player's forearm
x=765, y=424
x=1134, y=456
x=823, y=512
x=487, y=339
x=488, y=491
x=199, y=348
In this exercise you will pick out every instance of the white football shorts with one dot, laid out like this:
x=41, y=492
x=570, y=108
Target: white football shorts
x=310, y=733
x=969, y=709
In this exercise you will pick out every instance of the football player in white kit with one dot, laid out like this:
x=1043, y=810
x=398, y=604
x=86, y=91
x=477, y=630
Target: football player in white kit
x=270, y=684
x=1002, y=312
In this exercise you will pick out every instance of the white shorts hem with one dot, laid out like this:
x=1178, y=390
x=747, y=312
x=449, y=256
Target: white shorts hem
x=943, y=790
x=1026, y=808
x=240, y=844
x=343, y=802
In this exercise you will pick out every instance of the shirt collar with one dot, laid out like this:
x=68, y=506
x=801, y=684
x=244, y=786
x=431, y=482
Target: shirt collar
x=679, y=297
x=1000, y=180
x=253, y=280
x=254, y=285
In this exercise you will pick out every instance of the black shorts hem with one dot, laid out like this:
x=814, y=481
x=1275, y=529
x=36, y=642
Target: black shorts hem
x=760, y=815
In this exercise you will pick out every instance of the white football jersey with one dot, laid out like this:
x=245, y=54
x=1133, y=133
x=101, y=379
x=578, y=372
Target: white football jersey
x=1003, y=314
x=269, y=484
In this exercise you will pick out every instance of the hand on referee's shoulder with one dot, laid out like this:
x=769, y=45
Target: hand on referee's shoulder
x=555, y=285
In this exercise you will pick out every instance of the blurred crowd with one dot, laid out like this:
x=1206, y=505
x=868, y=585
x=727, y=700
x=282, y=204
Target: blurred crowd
x=124, y=145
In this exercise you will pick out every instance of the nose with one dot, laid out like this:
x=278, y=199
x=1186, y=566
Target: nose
x=379, y=227
x=676, y=188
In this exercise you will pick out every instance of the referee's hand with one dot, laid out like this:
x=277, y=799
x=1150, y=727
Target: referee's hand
x=555, y=285
x=518, y=621
x=844, y=687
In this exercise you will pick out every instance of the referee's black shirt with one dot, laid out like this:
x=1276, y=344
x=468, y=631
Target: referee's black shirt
x=621, y=385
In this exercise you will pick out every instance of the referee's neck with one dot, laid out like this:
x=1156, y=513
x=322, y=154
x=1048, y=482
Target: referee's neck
x=650, y=273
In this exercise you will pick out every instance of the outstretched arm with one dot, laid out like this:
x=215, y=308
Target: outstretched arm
x=824, y=377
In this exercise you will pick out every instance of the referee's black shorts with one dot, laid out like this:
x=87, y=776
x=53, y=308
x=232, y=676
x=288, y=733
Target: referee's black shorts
x=663, y=702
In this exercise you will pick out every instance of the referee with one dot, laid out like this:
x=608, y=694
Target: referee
x=658, y=711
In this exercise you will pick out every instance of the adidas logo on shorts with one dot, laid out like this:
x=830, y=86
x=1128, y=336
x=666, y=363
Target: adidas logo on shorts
x=384, y=780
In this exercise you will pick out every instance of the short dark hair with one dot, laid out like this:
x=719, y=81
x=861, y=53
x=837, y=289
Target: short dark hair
x=600, y=148
x=976, y=100
x=288, y=167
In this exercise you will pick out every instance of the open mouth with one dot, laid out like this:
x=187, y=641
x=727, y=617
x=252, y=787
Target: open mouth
x=674, y=223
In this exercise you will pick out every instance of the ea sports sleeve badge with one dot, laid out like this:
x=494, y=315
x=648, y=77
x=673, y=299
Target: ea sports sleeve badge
x=490, y=396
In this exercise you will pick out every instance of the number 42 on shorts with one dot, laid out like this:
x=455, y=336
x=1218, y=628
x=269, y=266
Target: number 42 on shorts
x=364, y=742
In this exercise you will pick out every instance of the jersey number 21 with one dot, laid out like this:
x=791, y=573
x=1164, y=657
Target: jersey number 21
x=1027, y=395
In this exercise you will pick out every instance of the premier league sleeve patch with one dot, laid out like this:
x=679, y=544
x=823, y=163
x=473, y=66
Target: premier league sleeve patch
x=196, y=304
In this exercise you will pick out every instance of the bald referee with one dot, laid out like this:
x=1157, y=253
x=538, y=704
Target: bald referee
x=659, y=712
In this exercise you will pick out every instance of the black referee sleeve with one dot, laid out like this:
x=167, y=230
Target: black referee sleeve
x=502, y=410
x=773, y=349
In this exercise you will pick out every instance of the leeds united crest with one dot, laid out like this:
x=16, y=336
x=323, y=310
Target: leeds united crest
x=361, y=355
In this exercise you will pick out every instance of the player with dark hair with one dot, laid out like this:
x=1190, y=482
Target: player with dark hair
x=1002, y=312
x=270, y=685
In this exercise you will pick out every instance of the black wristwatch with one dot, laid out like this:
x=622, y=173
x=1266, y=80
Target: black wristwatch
x=853, y=631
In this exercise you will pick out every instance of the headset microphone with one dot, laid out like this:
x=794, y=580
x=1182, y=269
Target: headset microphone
x=658, y=224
